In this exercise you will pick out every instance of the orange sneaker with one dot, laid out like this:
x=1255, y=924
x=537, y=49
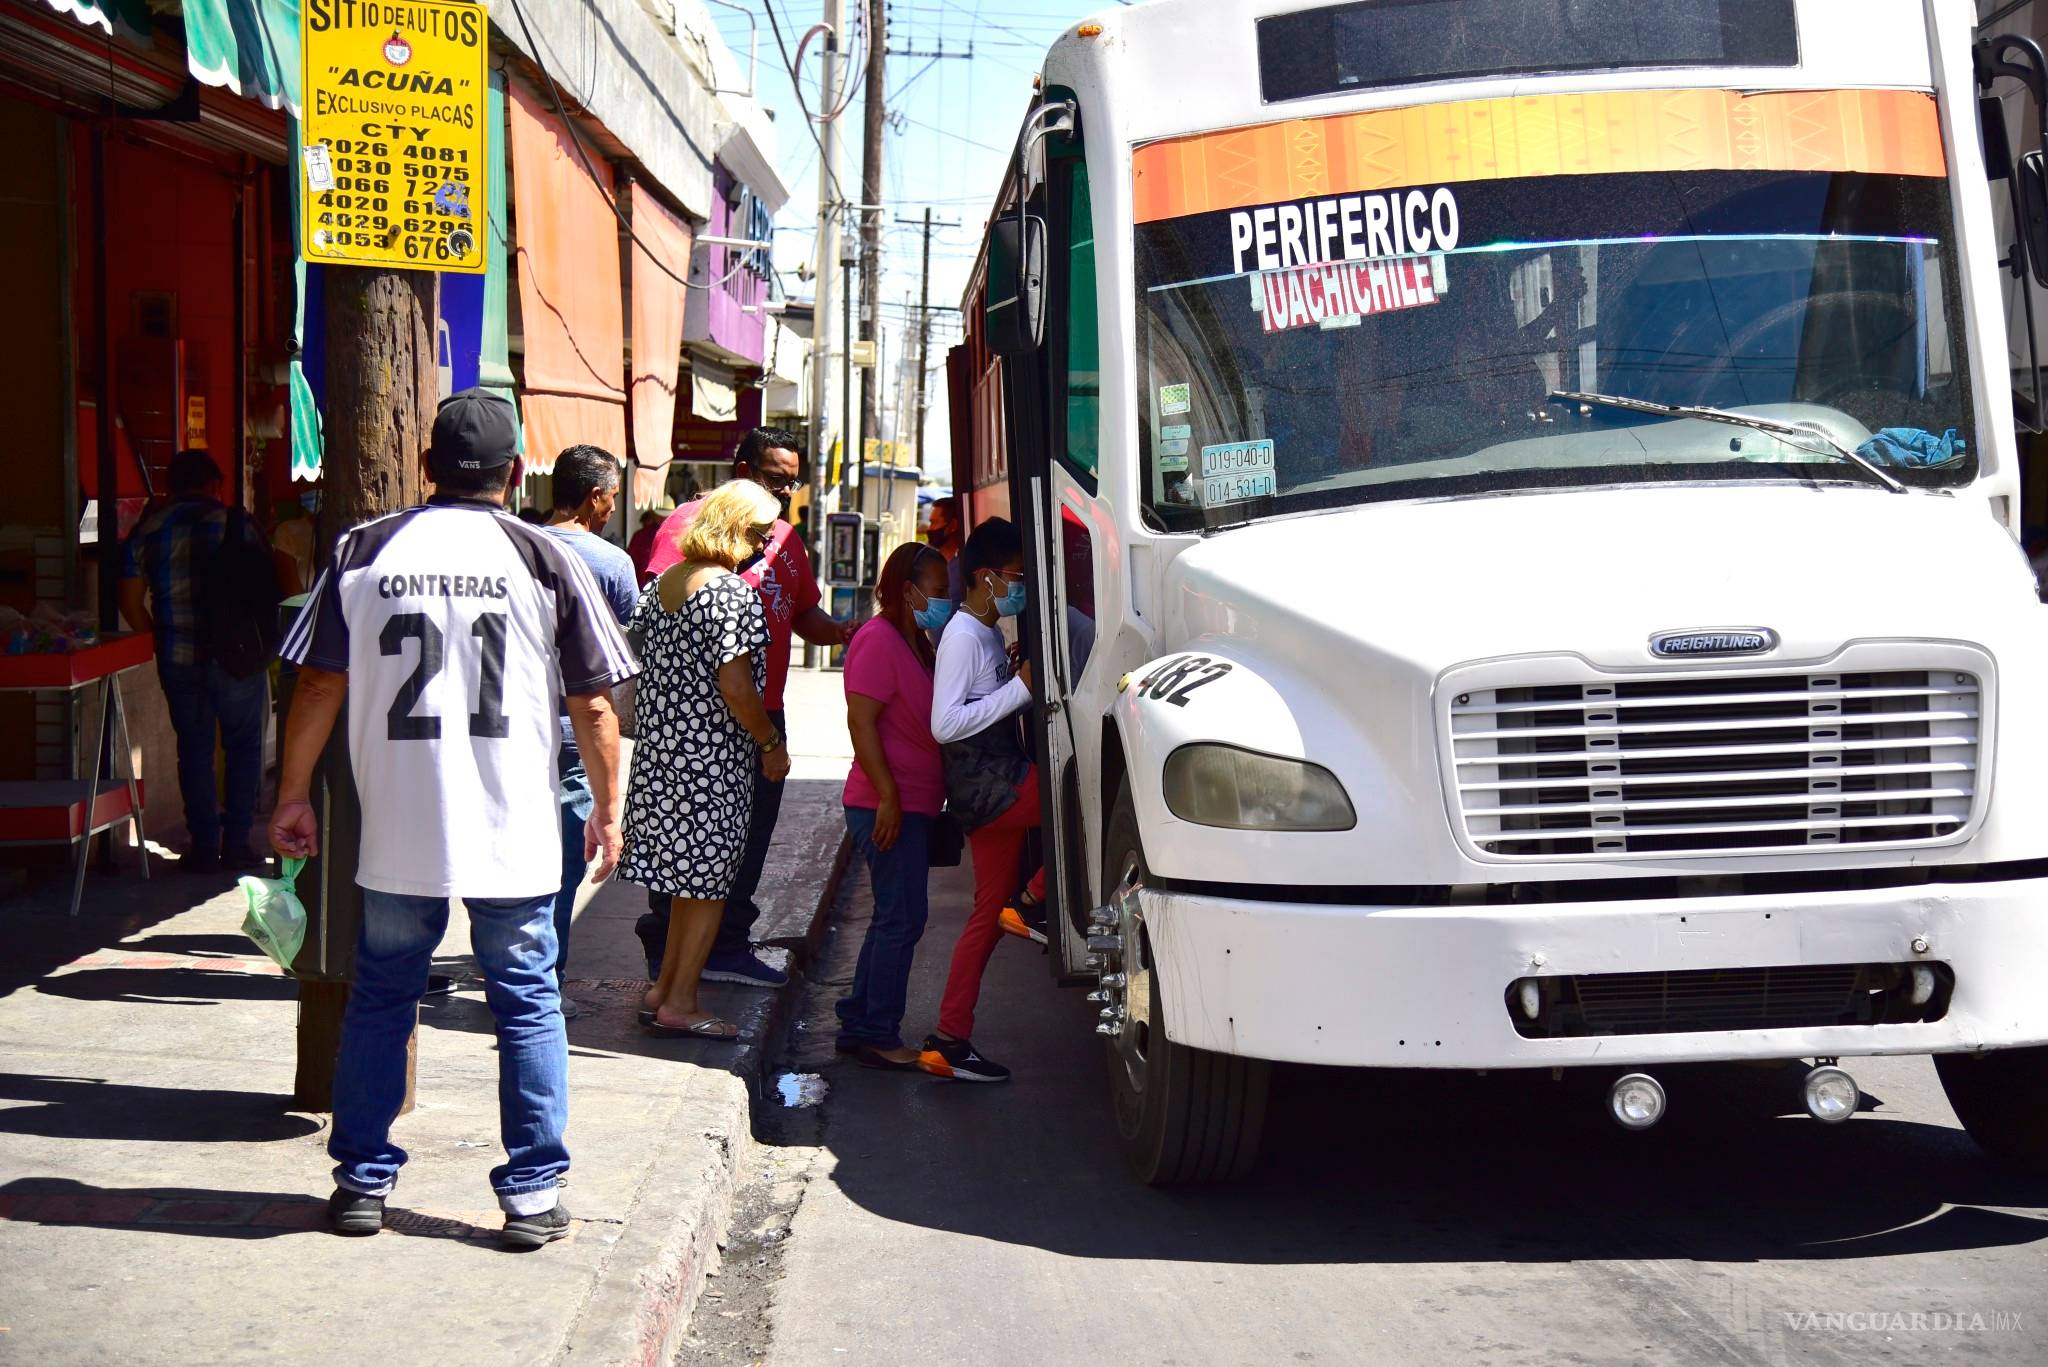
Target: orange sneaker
x=1026, y=922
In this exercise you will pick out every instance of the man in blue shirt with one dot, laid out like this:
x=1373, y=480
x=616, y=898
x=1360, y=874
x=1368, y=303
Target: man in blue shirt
x=163, y=568
x=586, y=491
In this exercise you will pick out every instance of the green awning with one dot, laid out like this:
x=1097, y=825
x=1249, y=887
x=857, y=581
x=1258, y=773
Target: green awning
x=128, y=18
x=494, y=369
x=248, y=46
x=307, y=440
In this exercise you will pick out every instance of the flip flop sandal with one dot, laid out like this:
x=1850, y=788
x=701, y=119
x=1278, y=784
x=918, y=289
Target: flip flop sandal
x=709, y=1028
x=645, y=1016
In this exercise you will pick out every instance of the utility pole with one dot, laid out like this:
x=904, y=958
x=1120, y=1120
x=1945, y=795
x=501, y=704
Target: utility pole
x=381, y=390
x=924, y=336
x=871, y=214
x=924, y=325
x=851, y=449
x=823, y=276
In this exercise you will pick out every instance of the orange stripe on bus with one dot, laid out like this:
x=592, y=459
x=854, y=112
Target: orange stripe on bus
x=1886, y=132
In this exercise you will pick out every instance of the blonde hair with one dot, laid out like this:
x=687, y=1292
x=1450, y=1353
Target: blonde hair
x=719, y=533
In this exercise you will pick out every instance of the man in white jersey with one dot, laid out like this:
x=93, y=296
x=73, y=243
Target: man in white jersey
x=452, y=631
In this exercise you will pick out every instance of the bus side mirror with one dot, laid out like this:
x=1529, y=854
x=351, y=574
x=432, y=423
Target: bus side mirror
x=1013, y=305
x=2030, y=205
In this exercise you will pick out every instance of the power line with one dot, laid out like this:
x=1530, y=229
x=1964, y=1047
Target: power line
x=796, y=85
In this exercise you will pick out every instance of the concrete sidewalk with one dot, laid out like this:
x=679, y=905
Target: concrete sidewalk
x=158, y=1203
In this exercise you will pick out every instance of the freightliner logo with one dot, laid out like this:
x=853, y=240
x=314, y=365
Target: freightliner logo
x=1713, y=641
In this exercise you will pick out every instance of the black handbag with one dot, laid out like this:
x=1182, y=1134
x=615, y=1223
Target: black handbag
x=947, y=844
x=983, y=771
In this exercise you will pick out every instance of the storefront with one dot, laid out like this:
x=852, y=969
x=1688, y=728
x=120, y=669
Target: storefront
x=150, y=308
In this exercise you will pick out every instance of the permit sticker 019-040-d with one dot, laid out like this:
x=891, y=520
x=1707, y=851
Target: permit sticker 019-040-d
x=1236, y=471
x=1174, y=398
x=1343, y=293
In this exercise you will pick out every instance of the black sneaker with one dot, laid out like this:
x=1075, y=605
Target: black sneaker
x=351, y=1212
x=531, y=1231
x=743, y=966
x=653, y=933
x=199, y=859
x=957, y=1059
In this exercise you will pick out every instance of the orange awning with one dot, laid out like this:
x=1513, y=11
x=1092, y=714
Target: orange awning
x=567, y=250
x=659, y=299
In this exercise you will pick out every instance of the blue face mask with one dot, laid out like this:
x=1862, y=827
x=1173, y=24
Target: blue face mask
x=1012, y=602
x=935, y=613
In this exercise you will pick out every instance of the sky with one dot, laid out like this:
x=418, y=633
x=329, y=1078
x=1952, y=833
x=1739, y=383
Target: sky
x=953, y=121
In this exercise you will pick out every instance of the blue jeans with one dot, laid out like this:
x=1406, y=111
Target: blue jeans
x=574, y=794
x=872, y=1012
x=206, y=701
x=514, y=942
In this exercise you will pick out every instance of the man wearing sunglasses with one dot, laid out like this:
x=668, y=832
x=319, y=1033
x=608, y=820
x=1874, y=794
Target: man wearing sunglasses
x=782, y=575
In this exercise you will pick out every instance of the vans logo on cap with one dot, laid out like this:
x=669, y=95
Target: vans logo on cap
x=1710, y=641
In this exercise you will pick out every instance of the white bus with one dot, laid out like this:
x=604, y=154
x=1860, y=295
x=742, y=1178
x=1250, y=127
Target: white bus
x=1522, y=501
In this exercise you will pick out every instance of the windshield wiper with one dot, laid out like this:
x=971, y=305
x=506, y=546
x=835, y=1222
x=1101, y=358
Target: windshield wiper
x=1734, y=419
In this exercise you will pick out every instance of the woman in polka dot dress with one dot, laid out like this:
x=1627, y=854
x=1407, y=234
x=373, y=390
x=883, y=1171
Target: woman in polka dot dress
x=702, y=731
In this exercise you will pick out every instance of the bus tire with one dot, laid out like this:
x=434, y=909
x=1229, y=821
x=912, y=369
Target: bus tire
x=2001, y=1096
x=1184, y=1116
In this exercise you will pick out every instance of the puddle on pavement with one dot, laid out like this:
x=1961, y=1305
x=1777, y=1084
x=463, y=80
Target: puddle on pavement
x=799, y=1089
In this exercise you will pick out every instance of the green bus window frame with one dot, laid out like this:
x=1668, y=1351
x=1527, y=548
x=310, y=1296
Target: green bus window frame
x=1077, y=307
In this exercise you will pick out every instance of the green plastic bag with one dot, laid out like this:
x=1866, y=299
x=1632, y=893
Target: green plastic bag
x=276, y=919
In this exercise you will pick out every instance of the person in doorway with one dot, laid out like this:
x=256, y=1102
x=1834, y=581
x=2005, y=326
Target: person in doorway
x=448, y=634
x=943, y=531
x=894, y=792
x=199, y=577
x=991, y=786
x=586, y=493
x=641, y=547
x=781, y=575
x=703, y=733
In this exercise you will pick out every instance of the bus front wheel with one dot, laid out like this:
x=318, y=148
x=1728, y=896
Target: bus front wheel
x=2001, y=1096
x=1183, y=1115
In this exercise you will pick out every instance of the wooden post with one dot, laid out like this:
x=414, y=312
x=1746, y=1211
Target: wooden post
x=381, y=393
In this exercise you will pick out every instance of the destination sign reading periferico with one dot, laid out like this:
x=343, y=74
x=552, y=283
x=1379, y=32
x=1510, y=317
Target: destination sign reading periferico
x=393, y=168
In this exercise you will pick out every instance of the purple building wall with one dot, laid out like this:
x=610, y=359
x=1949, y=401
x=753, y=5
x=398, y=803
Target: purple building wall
x=725, y=323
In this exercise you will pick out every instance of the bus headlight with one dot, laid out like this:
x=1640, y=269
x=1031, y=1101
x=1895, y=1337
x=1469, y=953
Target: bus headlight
x=1242, y=790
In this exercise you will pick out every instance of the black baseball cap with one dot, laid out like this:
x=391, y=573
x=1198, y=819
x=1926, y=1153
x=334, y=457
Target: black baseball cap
x=473, y=430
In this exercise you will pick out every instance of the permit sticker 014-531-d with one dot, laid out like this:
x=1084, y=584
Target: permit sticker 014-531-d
x=1174, y=398
x=1235, y=471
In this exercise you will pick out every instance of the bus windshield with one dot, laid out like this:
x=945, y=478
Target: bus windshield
x=1281, y=368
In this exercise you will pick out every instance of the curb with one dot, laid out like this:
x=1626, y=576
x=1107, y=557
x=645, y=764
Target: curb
x=641, y=1304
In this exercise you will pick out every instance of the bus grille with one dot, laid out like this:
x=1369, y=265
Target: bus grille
x=1613, y=768
x=1785, y=997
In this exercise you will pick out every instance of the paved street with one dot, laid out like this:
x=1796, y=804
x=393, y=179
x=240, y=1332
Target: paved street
x=1395, y=1219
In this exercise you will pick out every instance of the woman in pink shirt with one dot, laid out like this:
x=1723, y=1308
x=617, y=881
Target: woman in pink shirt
x=895, y=791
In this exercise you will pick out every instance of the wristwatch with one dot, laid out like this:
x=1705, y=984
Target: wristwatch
x=770, y=746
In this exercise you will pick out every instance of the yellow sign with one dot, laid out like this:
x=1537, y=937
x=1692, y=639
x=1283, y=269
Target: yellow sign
x=393, y=168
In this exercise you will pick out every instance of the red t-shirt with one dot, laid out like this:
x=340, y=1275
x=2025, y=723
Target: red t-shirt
x=781, y=575
x=880, y=665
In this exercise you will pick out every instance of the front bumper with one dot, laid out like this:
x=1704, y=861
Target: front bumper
x=1425, y=987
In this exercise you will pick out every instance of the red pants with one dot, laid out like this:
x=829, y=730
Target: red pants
x=998, y=849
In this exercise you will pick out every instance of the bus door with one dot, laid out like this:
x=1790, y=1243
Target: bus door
x=1055, y=435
